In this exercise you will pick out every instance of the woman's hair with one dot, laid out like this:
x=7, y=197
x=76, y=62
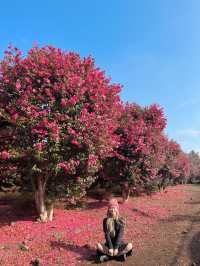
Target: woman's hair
x=111, y=226
x=111, y=223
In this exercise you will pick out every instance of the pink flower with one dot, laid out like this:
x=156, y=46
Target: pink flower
x=63, y=102
x=18, y=85
x=39, y=146
x=61, y=165
x=15, y=116
x=75, y=142
x=73, y=100
x=5, y=155
x=71, y=131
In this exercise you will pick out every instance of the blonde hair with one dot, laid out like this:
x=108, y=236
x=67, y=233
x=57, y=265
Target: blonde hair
x=111, y=226
x=111, y=223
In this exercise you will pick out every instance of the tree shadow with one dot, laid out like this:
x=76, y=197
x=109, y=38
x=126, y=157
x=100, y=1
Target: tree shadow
x=192, y=202
x=194, y=248
x=96, y=205
x=85, y=252
x=181, y=218
x=11, y=213
x=141, y=212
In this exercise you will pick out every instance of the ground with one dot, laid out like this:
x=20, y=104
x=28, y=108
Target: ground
x=164, y=229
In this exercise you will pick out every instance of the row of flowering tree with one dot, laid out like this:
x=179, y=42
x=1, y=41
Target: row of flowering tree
x=194, y=161
x=63, y=125
x=145, y=155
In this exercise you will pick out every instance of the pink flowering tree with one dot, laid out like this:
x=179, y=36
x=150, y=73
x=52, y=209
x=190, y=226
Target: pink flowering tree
x=194, y=161
x=63, y=112
x=140, y=154
x=175, y=168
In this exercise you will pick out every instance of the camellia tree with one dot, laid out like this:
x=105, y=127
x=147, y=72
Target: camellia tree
x=140, y=153
x=62, y=112
x=175, y=168
x=194, y=161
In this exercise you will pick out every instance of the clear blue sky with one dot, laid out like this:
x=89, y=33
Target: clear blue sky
x=151, y=47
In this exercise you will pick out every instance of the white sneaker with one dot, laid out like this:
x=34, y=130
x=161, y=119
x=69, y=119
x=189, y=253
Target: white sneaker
x=103, y=258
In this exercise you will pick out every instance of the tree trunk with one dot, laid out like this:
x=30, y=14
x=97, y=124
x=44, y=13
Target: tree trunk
x=40, y=200
x=50, y=212
x=125, y=194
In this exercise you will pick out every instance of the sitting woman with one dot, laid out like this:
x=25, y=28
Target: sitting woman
x=113, y=227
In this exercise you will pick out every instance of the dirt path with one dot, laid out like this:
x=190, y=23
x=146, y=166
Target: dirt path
x=174, y=241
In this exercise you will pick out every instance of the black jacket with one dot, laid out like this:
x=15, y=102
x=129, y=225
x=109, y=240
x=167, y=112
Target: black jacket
x=114, y=243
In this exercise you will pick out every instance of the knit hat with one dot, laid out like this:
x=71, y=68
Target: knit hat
x=113, y=204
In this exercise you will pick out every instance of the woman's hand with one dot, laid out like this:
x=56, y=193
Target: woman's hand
x=110, y=252
x=115, y=252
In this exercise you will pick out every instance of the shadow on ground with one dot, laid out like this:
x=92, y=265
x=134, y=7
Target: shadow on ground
x=194, y=248
x=11, y=212
x=85, y=252
x=96, y=205
x=141, y=212
x=180, y=218
x=192, y=202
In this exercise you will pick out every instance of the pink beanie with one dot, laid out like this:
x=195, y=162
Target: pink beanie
x=113, y=204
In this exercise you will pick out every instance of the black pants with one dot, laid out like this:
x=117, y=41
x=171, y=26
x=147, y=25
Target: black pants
x=121, y=248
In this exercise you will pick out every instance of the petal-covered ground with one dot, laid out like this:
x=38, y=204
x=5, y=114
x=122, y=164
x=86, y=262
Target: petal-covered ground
x=71, y=238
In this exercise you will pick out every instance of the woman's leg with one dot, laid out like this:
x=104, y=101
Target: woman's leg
x=128, y=247
x=103, y=249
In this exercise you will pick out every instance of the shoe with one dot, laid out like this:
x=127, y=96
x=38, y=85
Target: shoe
x=123, y=257
x=99, y=253
x=103, y=258
x=129, y=253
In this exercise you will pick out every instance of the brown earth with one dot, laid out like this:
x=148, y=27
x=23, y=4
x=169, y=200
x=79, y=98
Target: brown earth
x=174, y=241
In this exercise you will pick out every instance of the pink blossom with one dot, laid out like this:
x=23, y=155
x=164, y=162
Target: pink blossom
x=15, y=116
x=73, y=100
x=63, y=102
x=5, y=155
x=40, y=146
x=18, y=85
x=75, y=142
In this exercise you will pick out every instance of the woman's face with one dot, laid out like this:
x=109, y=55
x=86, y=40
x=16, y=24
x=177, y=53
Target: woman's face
x=112, y=212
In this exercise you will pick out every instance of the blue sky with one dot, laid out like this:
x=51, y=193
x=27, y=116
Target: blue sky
x=151, y=47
